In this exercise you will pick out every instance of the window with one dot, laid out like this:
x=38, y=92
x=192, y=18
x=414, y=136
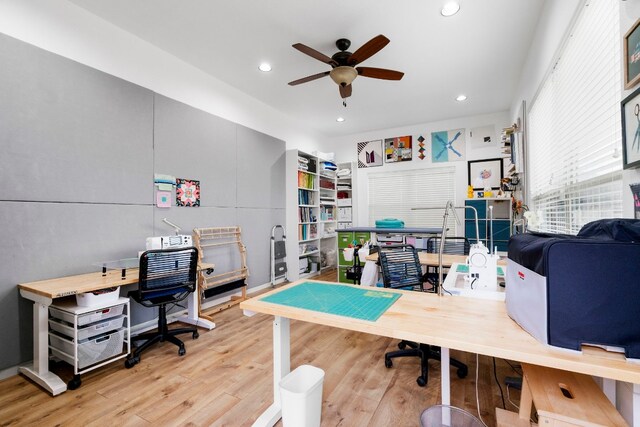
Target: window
x=575, y=164
x=394, y=194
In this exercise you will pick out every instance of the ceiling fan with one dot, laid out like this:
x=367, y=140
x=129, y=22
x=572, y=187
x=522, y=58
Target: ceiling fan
x=343, y=64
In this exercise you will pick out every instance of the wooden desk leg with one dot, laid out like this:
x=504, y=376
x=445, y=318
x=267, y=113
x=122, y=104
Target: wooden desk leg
x=636, y=405
x=526, y=400
x=281, y=367
x=445, y=376
x=38, y=371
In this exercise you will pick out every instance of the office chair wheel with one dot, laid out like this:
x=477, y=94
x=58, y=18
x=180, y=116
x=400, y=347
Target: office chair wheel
x=421, y=381
x=182, y=351
x=74, y=383
x=402, y=345
x=130, y=362
x=462, y=372
x=195, y=335
x=387, y=362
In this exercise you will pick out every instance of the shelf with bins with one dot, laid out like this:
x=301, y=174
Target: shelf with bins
x=89, y=337
x=328, y=219
x=344, y=194
x=498, y=230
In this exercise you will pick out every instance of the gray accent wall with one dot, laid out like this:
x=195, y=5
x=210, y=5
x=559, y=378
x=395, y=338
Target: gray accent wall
x=78, y=153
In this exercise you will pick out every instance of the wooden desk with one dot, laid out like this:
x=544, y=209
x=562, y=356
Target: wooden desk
x=43, y=292
x=451, y=322
x=431, y=260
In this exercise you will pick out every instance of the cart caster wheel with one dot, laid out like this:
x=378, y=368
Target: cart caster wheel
x=74, y=383
x=421, y=381
x=182, y=351
x=131, y=362
x=195, y=335
x=402, y=345
x=462, y=372
x=388, y=363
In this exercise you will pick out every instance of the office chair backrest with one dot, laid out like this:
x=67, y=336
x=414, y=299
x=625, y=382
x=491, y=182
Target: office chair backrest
x=400, y=266
x=452, y=245
x=167, y=274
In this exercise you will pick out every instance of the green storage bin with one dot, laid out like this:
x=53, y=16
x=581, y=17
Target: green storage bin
x=342, y=275
x=361, y=237
x=344, y=239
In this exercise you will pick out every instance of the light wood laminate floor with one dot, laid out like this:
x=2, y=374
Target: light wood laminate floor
x=225, y=379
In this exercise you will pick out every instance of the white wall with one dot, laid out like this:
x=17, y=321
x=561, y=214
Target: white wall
x=70, y=31
x=629, y=13
x=345, y=149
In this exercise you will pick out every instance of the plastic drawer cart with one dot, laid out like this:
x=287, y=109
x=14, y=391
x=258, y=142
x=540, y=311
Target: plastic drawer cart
x=89, y=337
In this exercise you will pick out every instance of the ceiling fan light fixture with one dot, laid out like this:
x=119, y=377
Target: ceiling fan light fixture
x=343, y=75
x=450, y=8
x=265, y=67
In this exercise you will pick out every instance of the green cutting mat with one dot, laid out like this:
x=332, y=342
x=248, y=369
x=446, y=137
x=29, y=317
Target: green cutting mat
x=357, y=303
x=464, y=268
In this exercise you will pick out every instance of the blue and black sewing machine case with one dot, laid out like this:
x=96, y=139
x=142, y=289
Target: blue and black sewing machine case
x=572, y=290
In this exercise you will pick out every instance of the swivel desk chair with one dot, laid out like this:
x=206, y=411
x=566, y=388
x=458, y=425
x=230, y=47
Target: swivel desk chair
x=167, y=276
x=401, y=269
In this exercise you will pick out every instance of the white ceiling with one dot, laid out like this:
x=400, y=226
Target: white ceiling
x=479, y=52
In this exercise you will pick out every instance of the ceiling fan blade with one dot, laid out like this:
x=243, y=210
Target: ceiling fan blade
x=345, y=91
x=379, y=73
x=315, y=54
x=308, y=78
x=369, y=49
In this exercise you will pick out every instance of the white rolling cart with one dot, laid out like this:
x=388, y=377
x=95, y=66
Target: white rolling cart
x=89, y=337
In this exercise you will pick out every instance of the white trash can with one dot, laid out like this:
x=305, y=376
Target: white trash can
x=301, y=397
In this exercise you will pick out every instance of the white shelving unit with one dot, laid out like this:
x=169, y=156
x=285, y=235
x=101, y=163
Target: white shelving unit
x=311, y=215
x=89, y=337
x=345, y=194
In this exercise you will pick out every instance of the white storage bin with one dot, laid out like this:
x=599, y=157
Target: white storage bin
x=89, y=330
x=90, y=317
x=90, y=351
x=344, y=202
x=301, y=396
x=101, y=297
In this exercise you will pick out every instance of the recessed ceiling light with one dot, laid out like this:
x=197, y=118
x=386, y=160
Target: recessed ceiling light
x=265, y=67
x=450, y=8
x=461, y=98
x=340, y=119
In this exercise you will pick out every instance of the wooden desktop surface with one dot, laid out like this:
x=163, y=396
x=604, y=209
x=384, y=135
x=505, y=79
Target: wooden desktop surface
x=71, y=285
x=462, y=323
x=431, y=260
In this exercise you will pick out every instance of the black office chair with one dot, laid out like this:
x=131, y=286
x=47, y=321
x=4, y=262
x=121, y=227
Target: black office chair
x=401, y=269
x=167, y=276
x=452, y=245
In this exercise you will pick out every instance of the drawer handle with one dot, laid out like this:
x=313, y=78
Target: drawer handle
x=101, y=339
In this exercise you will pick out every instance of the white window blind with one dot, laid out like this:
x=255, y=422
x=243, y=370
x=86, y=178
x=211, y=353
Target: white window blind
x=394, y=194
x=574, y=127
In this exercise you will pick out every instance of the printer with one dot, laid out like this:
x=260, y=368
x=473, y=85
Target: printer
x=567, y=291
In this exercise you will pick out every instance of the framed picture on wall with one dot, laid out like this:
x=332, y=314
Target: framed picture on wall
x=485, y=173
x=631, y=130
x=631, y=43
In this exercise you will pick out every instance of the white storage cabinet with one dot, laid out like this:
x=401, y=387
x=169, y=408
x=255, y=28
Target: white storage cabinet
x=89, y=337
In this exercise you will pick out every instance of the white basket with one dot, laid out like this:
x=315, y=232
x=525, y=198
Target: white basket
x=90, y=351
x=90, y=299
x=86, y=318
x=89, y=330
x=348, y=254
x=363, y=254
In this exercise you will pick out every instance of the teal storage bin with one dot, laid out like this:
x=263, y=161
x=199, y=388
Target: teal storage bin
x=389, y=223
